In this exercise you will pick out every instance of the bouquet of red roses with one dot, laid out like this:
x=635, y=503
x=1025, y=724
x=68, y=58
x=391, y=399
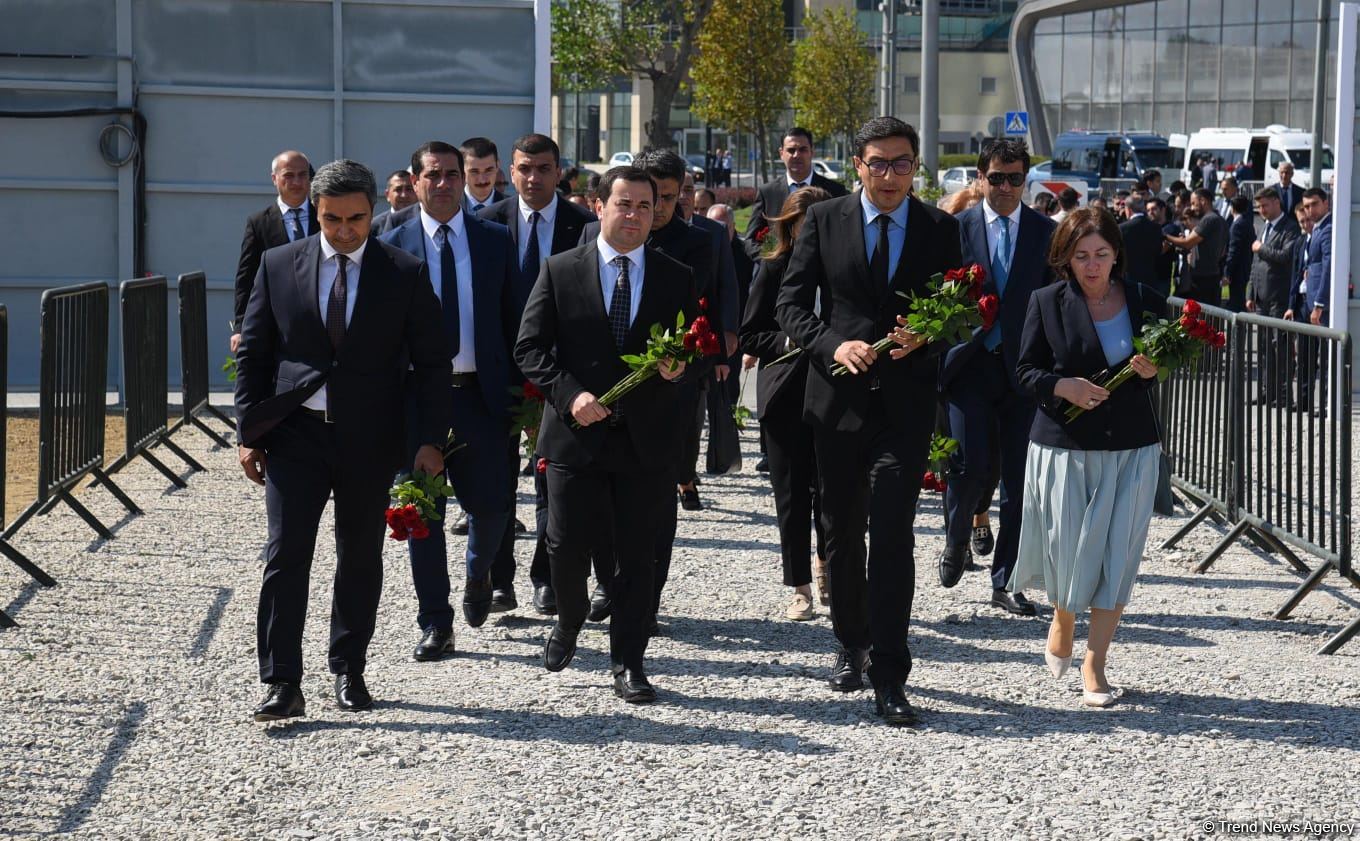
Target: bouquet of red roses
x=1169, y=344
x=686, y=345
x=941, y=448
x=954, y=307
x=527, y=415
x=413, y=504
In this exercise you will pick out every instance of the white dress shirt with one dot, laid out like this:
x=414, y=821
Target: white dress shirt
x=791, y=184
x=325, y=280
x=994, y=233
x=466, y=360
x=609, y=275
x=477, y=204
x=288, y=220
x=546, y=217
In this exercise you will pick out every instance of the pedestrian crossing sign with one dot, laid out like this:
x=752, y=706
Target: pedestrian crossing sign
x=1017, y=122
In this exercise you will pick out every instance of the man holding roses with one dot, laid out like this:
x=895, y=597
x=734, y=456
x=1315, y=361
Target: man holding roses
x=989, y=415
x=872, y=427
x=608, y=468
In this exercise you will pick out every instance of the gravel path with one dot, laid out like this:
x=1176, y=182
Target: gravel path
x=125, y=700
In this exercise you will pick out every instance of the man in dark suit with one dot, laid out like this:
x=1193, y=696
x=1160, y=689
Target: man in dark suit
x=482, y=160
x=541, y=223
x=839, y=296
x=610, y=467
x=795, y=150
x=1143, y=246
x=289, y=218
x=988, y=413
x=473, y=262
x=1237, y=258
x=332, y=325
x=400, y=195
x=1291, y=194
x=1316, y=293
x=1272, y=274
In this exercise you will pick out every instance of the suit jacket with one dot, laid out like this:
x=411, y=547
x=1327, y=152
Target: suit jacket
x=1060, y=341
x=770, y=200
x=1298, y=281
x=829, y=255
x=1237, y=259
x=495, y=197
x=264, y=230
x=779, y=387
x=392, y=219
x=745, y=268
x=1143, y=253
x=567, y=226
x=566, y=347
x=496, y=307
x=1029, y=271
x=728, y=309
x=286, y=356
x=1290, y=197
x=1272, y=272
x=1319, y=267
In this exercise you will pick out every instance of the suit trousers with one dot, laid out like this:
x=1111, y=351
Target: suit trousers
x=793, y=474
x=480, y=480
x=601, y=557
x=503, y=566
x=872, y=478
x=615, y=491
x=991, y=421
x=304, y=467
x=1274, y=351
x=691, y=409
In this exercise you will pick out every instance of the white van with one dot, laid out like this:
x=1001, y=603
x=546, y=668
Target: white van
x=1254, y=154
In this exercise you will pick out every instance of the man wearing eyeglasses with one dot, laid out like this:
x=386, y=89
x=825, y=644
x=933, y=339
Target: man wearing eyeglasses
x=872, y=425
x=989, y=415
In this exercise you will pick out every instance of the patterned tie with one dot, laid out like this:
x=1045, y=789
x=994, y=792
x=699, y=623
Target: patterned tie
x=335, y=306
x=878, y=266
x=296, y=213
x=448, y=288
x=1000, y=270
x=620, y=302
x=530, y=262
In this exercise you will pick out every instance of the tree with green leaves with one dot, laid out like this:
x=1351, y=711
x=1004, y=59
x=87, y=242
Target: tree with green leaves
x=595, y=41
x=742, y=71
x=834, y=75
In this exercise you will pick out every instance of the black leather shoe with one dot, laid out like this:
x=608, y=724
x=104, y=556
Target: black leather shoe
x=503, y=600
x=528, y=469
x=520, y=528
x=689, y=500
x=559, y=649
x=460, y=525
x=600, y=606
x=952, y=562
x=283, y=701
x=434, y=645
x=351, y=693
x=477, y=601
x=983, y=542
x=763, y=466
x=891, y=704
x=545, y=600
x=848, y=673
x=632, y=686
x=1014, y=603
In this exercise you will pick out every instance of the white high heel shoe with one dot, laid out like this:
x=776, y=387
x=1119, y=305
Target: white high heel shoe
x=1101, y=699
x=1057, y=665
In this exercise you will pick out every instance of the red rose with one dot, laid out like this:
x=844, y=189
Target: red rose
x=701, y=326
x=420, y=532
x=691, y=341
x=928, y=480
x=988, y=307
x=410, y=516
x=956, y=275
x=978, y=273
x=761, y=233
x=398, y=533
x=392, y=517
x=541, y=465
x=1191, y=308
x=703, y=304
x=709, y=345
x=1220, y=340
x=531, y=391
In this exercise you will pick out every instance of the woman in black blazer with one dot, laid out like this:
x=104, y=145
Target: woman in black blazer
x=1089, y=482
x=779, y=405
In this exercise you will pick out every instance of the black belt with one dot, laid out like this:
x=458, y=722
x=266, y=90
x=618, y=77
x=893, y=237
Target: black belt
x=315, y=413
x=463, y=379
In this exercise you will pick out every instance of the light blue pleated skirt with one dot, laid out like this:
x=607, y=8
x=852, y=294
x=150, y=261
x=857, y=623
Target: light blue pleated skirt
x=1085, y=523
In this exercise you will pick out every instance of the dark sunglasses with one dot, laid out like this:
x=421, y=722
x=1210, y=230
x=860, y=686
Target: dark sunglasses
x=996, y=179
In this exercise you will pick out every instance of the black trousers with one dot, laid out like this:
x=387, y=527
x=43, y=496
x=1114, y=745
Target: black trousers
x=540, y=569
x=503, y=565
x=615, y=491
x=691, y=409
x=304, y=466
x=872, y=478
x=1274, y=352
x=793, y=474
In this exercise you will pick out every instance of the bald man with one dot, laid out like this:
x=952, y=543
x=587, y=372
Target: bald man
x=289, y=217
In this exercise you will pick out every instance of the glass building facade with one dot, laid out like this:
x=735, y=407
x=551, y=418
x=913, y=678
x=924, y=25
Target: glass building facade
x=1169, y=65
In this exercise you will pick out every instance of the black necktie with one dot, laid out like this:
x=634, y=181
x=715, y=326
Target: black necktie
x=477, y=207
x=448, y=287
x=530, y=262
x=335, y=306
x=620, y=303
x=878, y=266
x=296, y=213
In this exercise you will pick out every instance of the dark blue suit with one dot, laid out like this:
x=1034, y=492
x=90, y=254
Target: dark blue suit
x=989, y=415
x=1237, y=260
x=1317, y=273
x=479, y=471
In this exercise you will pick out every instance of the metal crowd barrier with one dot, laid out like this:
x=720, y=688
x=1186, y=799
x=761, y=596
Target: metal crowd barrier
x=193, y=344
x=1257, y=438
x=5, y=620
x=74, y=340
x=142, y=304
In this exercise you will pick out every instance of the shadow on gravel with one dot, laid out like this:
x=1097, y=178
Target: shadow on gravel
x=1219, y=582
x=26, y=594
x=519, y=726
x=208, y=629
x=989, y=628
x=77, y=813
x=721, y=543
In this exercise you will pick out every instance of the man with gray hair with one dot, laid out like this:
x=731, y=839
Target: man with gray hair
x=320, y=412
x=288, y=218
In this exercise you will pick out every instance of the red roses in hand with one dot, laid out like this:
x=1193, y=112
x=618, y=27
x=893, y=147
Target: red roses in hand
x=405, y=522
